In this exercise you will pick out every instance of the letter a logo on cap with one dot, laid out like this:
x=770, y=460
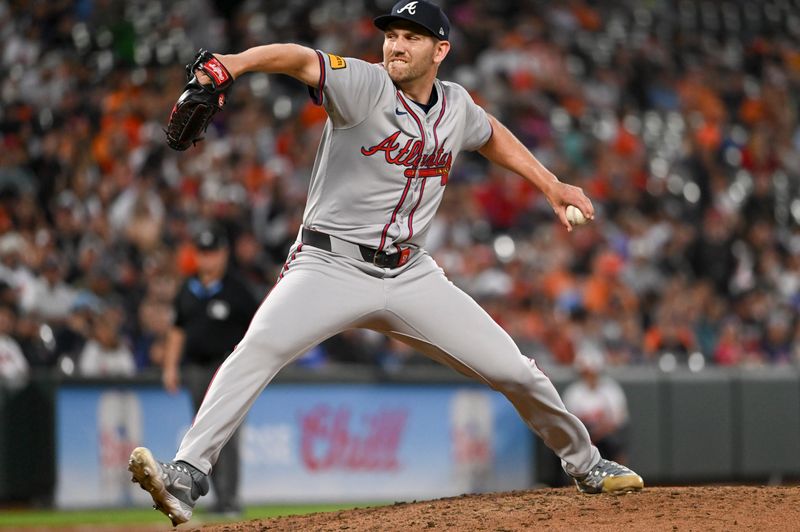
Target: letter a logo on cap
x=411, y=7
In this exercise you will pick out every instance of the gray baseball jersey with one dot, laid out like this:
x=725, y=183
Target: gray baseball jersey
x=379, y=175
x=383, y=162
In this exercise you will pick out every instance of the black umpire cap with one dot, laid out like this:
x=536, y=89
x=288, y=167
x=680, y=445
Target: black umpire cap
x=210, y=236
x=428, y=15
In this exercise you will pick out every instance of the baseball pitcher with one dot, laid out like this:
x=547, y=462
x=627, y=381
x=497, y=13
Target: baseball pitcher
x=392, y=136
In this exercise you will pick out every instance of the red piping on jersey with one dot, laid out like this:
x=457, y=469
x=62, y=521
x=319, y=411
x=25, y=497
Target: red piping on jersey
x=416, y=119
x=436, y=136
x=425, y=171
x=436, y=124
x=411, y=215
x=394, y=215
x=317, y=96
x=408, y=181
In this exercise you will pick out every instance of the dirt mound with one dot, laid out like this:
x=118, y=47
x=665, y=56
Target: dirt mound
x=661, y=508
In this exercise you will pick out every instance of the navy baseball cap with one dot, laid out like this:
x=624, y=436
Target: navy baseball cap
x=428, y=15
x=210, y=236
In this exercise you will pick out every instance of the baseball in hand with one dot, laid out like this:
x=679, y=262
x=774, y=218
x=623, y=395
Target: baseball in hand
x=575, y=216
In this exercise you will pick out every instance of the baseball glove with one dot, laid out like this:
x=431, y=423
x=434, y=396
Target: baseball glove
x=199, y=103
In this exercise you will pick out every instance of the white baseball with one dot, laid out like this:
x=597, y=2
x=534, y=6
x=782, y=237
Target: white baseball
x=575, y=216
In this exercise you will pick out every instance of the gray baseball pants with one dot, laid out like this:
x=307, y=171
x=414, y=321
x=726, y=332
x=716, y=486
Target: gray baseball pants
x=321, y=294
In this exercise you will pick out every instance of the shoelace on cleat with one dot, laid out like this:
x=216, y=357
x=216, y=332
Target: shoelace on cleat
x=607, y=468
x=175, y=468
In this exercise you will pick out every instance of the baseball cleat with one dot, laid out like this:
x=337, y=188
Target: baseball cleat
x=174, y=486
x=609, y=477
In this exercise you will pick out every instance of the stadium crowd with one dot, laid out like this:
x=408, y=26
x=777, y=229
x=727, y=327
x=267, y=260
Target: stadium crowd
x=678, y=118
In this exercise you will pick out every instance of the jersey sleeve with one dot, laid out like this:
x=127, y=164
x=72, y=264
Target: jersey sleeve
x=477, y=128
x=348, y=88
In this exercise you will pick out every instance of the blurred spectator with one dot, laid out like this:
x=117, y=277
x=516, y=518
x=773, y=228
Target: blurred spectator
x=105, y=354
x=252, y=263
x=13, y=271
x=730, y=350
x=34, y=338
x=777, y=340
x=711, y=254
x=76, y=330
x=600, y=403
x=48, y=296
x=14, y=368
x=669, y=335
x=8, y=296
x=394, y=354
x=354, y=346
x=137, y=214
x=604, y=291
x=154, y=319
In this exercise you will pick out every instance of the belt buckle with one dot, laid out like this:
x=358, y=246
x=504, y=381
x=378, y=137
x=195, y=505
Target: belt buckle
x=380, y=259
x=384, y=260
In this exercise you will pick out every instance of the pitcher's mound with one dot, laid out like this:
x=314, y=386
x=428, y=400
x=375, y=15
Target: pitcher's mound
x=660, y=508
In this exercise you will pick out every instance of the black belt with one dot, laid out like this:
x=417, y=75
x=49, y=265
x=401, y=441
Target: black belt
x=355, y=251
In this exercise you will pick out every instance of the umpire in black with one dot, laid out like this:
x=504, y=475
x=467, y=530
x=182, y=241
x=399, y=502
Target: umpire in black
x=212, y=311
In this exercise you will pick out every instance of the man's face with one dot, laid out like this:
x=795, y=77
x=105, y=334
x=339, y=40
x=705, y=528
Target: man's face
x=212, y=261
x=409, y=52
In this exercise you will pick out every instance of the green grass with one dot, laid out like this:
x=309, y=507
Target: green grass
x=40, y=518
